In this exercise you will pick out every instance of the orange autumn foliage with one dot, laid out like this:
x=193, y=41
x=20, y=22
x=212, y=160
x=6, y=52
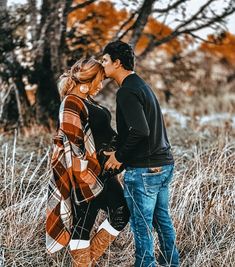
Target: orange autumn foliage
x=160, y=31
x=223, y=47
x=98, y=23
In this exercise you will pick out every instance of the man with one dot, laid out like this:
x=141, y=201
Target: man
x=144, y=149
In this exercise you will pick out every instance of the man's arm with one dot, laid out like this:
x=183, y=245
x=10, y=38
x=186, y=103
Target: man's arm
x=132, y=110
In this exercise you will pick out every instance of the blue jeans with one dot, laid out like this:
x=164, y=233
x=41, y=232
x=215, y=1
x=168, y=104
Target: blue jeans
x=147, y=198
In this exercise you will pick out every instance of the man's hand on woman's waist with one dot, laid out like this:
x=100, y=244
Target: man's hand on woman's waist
x=112, y=162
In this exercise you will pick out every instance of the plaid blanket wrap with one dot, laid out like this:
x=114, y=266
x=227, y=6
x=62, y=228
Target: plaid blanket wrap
x=75, y=170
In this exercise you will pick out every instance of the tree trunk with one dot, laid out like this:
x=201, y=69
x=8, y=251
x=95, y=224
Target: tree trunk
x=16, y=110
x=3, y=5
x=50, y=59
x=33, y=18
x=141, y=21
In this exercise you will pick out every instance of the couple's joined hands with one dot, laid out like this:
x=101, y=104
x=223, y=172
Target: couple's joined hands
x=112, y=162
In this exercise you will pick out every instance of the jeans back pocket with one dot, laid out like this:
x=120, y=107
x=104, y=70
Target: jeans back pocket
x=153, y=181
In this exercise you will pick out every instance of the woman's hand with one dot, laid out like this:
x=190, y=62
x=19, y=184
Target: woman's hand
x=112, y=162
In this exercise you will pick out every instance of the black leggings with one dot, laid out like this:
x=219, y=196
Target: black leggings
x=111, y=200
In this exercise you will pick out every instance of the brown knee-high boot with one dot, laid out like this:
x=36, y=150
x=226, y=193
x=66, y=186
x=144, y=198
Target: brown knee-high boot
x=81, y=257
x=99, y=243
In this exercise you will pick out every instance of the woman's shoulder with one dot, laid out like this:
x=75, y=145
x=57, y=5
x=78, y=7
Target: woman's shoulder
x=73, y=103
x=73, y=99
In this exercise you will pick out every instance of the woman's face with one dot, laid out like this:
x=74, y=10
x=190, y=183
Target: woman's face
x=99, y=87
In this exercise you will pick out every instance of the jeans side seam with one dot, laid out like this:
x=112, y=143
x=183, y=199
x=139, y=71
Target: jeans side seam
x=137, y=208
x=163, y=241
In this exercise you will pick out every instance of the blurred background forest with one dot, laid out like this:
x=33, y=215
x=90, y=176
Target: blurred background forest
x=185, y=50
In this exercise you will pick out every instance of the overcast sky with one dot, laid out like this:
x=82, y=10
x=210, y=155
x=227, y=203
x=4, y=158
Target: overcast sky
x=194, y=5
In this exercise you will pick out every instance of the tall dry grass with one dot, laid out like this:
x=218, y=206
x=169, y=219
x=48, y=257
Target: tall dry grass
x=203, y=196
x=202, y=203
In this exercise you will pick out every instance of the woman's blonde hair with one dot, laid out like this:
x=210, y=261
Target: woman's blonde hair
x=83, y=71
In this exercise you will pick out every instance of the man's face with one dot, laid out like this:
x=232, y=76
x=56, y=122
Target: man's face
x=109, y=66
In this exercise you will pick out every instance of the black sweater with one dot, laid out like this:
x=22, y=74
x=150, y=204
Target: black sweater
x=100, y=124
x=142, y=137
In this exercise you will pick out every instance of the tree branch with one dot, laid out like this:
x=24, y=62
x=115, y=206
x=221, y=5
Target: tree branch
x=124, y=25
x=184, y=28
x=84, y=4
x=170, y=7
x=211, y=21
x=195, y=36
x=194, y=17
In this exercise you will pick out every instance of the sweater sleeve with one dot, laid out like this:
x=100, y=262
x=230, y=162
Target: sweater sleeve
x=131, y=108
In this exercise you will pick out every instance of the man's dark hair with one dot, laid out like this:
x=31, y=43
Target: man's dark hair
x=123, y=52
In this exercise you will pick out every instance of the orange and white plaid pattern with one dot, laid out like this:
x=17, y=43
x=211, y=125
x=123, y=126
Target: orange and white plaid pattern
x=75, y=170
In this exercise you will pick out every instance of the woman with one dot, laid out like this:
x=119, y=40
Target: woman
x=80, y=186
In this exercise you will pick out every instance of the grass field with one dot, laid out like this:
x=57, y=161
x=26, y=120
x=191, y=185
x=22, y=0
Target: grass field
x=202, y=202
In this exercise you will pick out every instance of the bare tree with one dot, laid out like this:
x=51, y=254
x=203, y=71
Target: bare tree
x=49, y=53
x=51, y=49
x=48, y=56
x=185, y=22
x=11, y=73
